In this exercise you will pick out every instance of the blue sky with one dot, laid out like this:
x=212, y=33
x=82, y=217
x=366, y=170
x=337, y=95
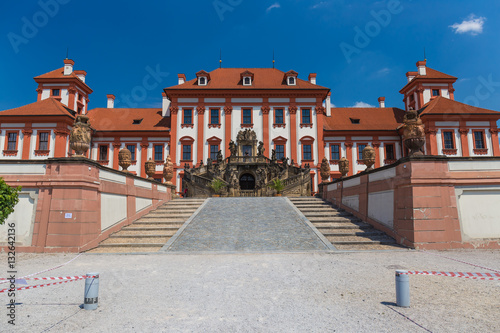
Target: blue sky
x=119, y=43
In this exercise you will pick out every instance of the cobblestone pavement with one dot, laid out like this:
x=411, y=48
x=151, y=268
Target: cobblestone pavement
x=247, y=225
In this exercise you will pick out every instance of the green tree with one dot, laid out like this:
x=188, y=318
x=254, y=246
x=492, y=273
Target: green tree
x=217, y=185
x=277, y=185
x=9, y=197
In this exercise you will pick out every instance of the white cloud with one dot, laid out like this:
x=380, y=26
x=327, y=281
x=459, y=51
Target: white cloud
x=362, y=105
x=383, y=71
x=320, y=5
x=473, y=25
x=274, y=5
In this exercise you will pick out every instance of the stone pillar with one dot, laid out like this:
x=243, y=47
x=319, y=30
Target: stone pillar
x=320, y=114
x=116, y=150
x=376, y=145
x=494, y=141
x=173, y=139
x=61, y=142
x=227, y=111
x=293, y=133
x=265, y=129
x=27, y=132
x=348, y=147
x=464, y=132
x=201, y=126
x=431, y=141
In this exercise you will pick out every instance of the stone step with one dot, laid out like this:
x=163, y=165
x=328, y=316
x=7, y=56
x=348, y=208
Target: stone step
x=190, y=208
x=142, y=232
x=352, y=232
x=334, y=219
x=359, y=240
x=128, y=245
x=159, y=222
x=331, y=213
x=152, y=227
x=321, y=209
x=166, y=216
x=145, y=239
x=169, y=212
x=343, y=226
x=311, y=205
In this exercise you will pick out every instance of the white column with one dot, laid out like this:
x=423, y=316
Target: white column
x=355, y=158
x=111, y=152
x=381, y=154
x=397, y=147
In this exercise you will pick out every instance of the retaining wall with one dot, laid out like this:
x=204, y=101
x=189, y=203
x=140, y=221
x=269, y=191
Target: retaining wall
x=72, y=204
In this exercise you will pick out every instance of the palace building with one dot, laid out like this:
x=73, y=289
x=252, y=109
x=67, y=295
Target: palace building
x=291, y=116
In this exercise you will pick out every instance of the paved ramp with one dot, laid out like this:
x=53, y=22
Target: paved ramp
x=247, y=225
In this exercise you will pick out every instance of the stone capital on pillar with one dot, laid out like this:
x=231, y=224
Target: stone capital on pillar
x=376, y=144
x=200, y=109
x=463, y=131
x=228, y=109
x=292, y=109
x=28, y=132
x=265, y=109
x=174, y=109
x=348, y=144
x=320, y=110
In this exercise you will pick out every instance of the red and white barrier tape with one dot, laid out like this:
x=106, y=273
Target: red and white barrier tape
x=54, y=278
x=42, y=285
x=47, y=270
x=467, y=275
x=457, y=260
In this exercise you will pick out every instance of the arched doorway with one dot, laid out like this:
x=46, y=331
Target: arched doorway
x=247, y=182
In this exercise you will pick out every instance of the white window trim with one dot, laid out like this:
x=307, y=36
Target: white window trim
x=294, y=81
x=199, y=81
x=244, y=79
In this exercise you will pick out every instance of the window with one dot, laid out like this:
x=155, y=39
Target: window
x=214, y=150
x=389, y=152
x=132, y=151
x=306, y=116
x=412, y=98
x=12, y=141
x=43, y=141
x=291, y=81
x=247, y=116
x=103, y=153
x=335, y=152
x=214, y=117
x=479, y=140
x=202, y=81
x=56, y=92
x=246, y=150
x=354, y=120
x=186, y=152
x=247, y=81
x=278, y=116
x=307, y=152
x=360, y=151
x=188, y=116
x=158, y=153
x=136, y=121
x=448, y=141
x=435, y=92
x=280, y=151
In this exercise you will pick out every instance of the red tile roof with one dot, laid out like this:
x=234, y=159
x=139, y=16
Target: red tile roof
x=370, y=119
x=431, y=74
x=59, y=74
x=230, y=78
x=111, y=119
x=46, y=107
x=442, y=105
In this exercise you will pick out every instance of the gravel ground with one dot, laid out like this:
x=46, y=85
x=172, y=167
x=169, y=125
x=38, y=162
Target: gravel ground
x=278, y=292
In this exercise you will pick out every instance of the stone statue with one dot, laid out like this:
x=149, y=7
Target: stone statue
x=344, y=166
x=325, y=170
x=234, y=181
x=219, y=156
x=79, y=137
x=150, y=168
x=168, y=170
x=260, y=149
x=232, y=148
x=368, y=154
x=273, y=155
x=201, y=163
x=125, y=159
x=413, y=133
x=284, y=160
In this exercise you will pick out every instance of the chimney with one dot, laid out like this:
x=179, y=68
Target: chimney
x=81, y=75
x=182, y=78
x=381, y=102
x=421, y=67
x=68, y=66
x=328, y=104
x=111, y=101
x=312, y=78
x=165, y=105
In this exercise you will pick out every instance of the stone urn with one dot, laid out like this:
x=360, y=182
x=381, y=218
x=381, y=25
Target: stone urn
x=125, y=159
x=413, y=133
x=344, y=166
x=368, y=157
x=150, y=168
x=325, y=170
x=79, y=137
x=168, y=170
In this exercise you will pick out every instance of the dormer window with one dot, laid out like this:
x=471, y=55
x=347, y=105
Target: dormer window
x=291, y=78
x=246, y=78
x=56, y=92
x=202, y=81
x=291, y=81
x=136, y=121
x=203, y=78
x=247, y=81
x=354, y=120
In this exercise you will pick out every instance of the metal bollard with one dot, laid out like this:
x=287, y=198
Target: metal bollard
x=402, y=289
x=91, y=291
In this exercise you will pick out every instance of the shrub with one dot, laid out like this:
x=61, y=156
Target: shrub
x=9, y=197
x=217, y=185
x=277, y=185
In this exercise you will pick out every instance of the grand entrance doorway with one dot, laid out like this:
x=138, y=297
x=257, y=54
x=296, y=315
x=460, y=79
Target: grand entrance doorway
x=247, y=182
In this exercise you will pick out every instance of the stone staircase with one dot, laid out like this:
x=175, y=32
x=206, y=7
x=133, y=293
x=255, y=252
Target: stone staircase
x=342, y=229
x=153, y=230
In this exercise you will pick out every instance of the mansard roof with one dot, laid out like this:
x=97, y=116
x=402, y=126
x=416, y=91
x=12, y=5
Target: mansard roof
x=46, y=107
x=58, y=75
x=128, y=119
x=430, y=75
x=230, y=78
x=442, y=106
x=364, y=119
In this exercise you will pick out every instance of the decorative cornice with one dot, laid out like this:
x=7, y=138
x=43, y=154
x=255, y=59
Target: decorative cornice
x=450, y=151
x=480, y=151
